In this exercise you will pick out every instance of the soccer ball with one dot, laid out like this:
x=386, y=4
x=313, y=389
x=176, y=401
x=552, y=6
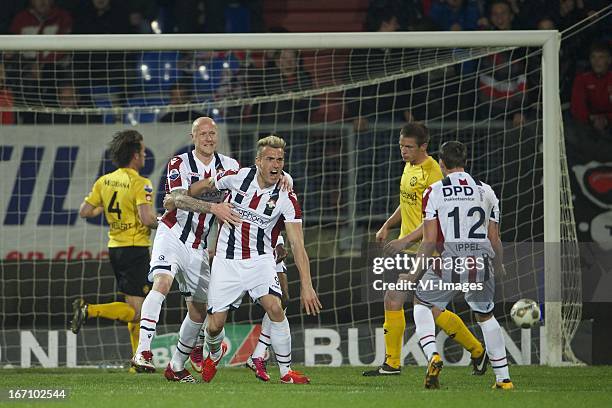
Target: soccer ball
x=525, y=313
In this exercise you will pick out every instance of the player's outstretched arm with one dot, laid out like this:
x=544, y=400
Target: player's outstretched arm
x=87, y=210
x=498, y=248
x=391, y=222
x=223, y=211
x=309, y=298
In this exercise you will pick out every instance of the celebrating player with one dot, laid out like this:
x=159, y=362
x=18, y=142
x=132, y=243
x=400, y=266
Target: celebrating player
x=466, y=211
x=244, y=260
x=125, y=197
x=420, y=171
x=179, y=249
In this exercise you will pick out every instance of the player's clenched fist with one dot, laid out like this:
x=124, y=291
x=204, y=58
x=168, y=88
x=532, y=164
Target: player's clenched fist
x=310, y=301
x=225, y=213
x=381, y=234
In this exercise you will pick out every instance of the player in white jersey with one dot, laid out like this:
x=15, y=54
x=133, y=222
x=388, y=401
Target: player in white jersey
x=461, y=217
x=179, y=246
x=244, y=260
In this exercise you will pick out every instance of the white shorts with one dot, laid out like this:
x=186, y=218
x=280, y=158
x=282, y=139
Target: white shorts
x=231, y=279
x=480, y=301
x=281, y=267
x=188, y=265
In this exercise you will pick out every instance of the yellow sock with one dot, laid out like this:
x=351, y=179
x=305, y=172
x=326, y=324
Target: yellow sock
x=395, y=325
x=113, y=311
x=134, y=329
x=454, y=327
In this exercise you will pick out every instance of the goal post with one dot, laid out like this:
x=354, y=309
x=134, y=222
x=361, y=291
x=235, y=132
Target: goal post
x=556, y=335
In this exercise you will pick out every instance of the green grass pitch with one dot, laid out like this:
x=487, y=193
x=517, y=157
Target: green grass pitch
x=575, y=387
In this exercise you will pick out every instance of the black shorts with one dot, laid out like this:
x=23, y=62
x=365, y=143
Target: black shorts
x=131, y=267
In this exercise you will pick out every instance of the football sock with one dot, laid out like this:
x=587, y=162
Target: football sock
x=148, y=320
x=280, y=338
x=187, y=337
x=214, y=344
x=264, y=338
x=425, y=329
x=134, y=329
x=394, y=327
x=113, y=311
x=202, y=333
x=496, y=348
x=454, y=327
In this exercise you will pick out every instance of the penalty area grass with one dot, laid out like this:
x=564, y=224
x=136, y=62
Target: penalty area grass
x=331, y=387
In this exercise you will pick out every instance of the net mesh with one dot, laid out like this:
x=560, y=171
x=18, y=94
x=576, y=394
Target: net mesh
x=340, y=112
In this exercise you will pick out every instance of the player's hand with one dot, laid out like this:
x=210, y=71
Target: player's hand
x=169, y=202
x=381, y=234
x=280, y=253
x=285, y=183
x=393, y=247
x=225, y=213
x=310, y=301
x=406, y=277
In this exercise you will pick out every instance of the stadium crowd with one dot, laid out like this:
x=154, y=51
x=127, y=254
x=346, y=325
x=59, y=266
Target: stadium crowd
x=105, y=79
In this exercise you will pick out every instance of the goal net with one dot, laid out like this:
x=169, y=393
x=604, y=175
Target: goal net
x=339, y=101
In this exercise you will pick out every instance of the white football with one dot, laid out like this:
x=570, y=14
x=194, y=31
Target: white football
x=525, y=313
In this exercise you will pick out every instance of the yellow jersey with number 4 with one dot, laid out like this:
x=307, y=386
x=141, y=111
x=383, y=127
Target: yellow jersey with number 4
x=120, y=193
x=415, y=179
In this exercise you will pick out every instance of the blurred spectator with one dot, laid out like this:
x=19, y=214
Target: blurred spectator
x=180, y=95
x=102, y=17
x=10, y=8
x=570, y=13
x=66, y=98
x=35, y=72
x=368, y=103
x=406, y=12
x=592, y=92
x=529, y=12
x=501, y=15
x=503, y=82
x=42, y=17
x=455, y=15
x=284, y=74
x=6, y=100
x=140, y=14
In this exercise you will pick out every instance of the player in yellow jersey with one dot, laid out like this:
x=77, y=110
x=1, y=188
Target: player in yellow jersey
x=126, y=198
x=420, y=171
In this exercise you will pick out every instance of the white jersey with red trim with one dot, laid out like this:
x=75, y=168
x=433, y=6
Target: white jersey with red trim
x=183, y=170
x=263, y=212
x=463, y=208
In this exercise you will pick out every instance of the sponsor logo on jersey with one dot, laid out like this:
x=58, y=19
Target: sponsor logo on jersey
x=252, y=217
x=148, y=188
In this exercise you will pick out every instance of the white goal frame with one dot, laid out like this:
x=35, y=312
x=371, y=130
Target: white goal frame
x=548, y=40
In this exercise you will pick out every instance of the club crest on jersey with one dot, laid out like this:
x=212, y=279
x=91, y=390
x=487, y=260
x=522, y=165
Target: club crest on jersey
x=174, y=174
x=413, y=181
x=271, y=204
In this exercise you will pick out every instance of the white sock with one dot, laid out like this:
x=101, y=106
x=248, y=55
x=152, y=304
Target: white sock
x=264, y=338
x=425, y=329
x=214, y=344
x=202, y=334
x=496, y=348
x=280, y=338
x=149, y=315
x=188, y=335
